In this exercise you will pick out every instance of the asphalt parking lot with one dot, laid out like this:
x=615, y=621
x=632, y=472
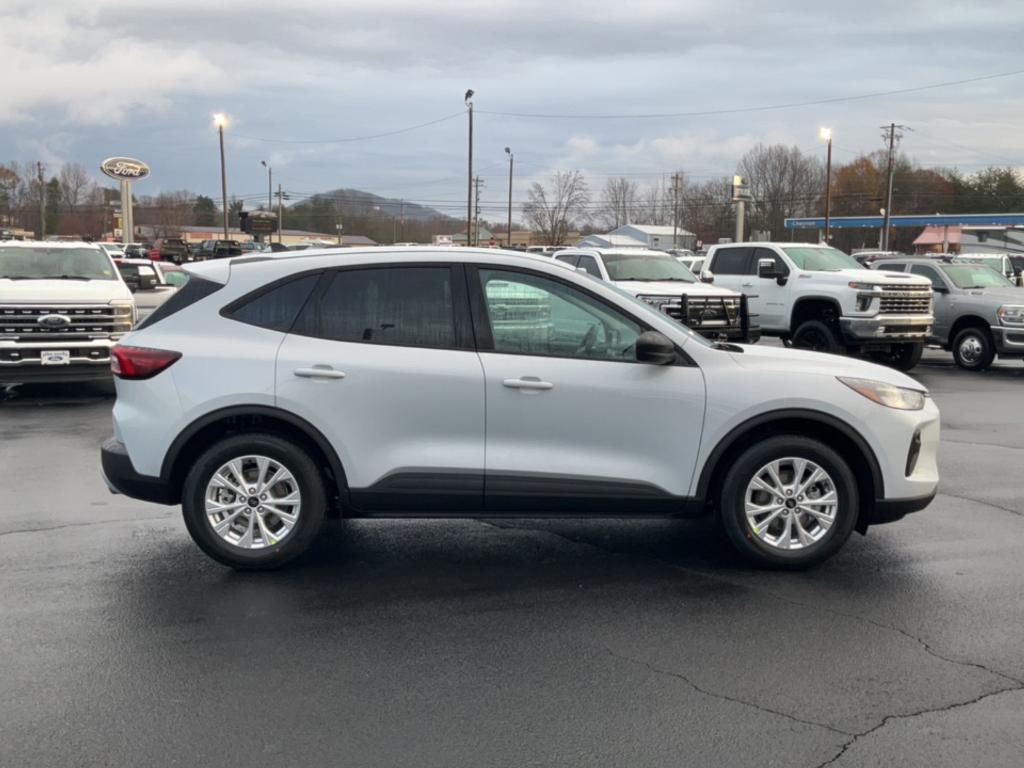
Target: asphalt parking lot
x=520, y=642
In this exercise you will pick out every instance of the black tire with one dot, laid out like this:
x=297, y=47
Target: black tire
x=731, y=502
x=310, y=485
x=974, y=349
x=903, y=357
x=818, y=337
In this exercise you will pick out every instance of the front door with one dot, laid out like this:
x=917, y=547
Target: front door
x=770, y=303
x=944, y=301
x=574, y=422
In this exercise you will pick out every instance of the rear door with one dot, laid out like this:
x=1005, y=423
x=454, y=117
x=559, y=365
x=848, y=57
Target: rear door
x=381, y=360
x=731, y=266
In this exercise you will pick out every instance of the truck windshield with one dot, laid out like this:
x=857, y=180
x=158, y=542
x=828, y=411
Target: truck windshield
x=646, y=267
x=820, y=259
x=975, y=276
x=55, y=264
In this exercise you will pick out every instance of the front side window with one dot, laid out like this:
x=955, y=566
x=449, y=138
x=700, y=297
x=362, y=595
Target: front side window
x=277, y=307
x=820, y=259
x=646, y=267
x=400, y=306
x=732, y=261
x=55, y=264
x=534, y=315
x=929, y=272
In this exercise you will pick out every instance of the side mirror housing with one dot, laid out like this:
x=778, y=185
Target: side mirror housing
x=940, y=289
x=132, y=282
x=766, y=269
x=655, y=348
x=707, y=277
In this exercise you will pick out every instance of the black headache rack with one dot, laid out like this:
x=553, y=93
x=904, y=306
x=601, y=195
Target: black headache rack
x=720, y=318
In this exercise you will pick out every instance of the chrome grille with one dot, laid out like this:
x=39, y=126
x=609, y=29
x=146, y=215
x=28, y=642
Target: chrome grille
x=22, y=323
x=905, y=299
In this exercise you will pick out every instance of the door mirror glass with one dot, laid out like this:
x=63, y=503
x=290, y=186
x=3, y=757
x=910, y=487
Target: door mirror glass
x=655, y=348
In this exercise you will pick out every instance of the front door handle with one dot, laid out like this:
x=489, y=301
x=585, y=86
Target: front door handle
x=528, y=382
x=747, y=285
x=319, y=372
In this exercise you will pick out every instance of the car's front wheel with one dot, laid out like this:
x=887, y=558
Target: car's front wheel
x=788, y=502
x=973, y=349
x=253, y=501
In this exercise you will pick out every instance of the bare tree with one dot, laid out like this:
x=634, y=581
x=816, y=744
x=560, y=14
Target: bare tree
x=167, y=212
x=619, y=202
x=706, y=209
x=655, y=205
x=554, y=212
x=75, y=186
x=783, y=182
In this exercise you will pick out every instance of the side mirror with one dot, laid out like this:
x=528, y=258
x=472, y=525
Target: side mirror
x=132, y=281
x=766, y=269
x=147, y=282
x=707, y=277
x=655, y=348
x=940, y=289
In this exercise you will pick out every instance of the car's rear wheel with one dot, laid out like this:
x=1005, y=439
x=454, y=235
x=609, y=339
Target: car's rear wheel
x=254, y=501
x=973, y=349
x=788, y=502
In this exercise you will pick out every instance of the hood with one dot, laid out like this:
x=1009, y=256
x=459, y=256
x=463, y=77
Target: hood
x=757, y=357
x=1003, y=294
x=62, y=291
x=872, y=276
x=671, y=288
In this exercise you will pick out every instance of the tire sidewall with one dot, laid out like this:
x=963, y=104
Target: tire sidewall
x=731, y=502
x=830, y=335
x=298, y=463
x=987, y=354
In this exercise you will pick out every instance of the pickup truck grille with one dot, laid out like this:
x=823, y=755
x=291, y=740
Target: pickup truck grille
x=71, y=323
x=700, y=312
x=906, y=300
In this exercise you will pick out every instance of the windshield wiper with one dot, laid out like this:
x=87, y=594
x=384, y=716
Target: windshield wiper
x=727, y=347
x=72, y=277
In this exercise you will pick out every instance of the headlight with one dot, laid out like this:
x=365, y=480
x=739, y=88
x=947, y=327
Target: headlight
x=865, y=286
x=889, y=395
x=1011, y=314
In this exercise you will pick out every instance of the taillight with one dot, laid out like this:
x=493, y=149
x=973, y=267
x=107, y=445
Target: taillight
x=140, y=362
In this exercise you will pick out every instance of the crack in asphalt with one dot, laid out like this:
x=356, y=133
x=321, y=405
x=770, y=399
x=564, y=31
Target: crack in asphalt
x=723, y=696
x=43, y=529
x=978, y=442
x=983, y=503
x=929, y=711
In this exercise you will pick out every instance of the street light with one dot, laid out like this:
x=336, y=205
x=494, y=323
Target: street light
x=825, y=134
x=220, y=120
x=511, y=161
x=270, y=185
x=469, y=187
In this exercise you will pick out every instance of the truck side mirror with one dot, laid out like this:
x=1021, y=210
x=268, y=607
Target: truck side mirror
x=766, y=269
x=707, y=277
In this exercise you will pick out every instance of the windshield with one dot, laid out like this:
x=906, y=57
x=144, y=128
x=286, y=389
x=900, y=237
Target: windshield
x=995, y=262
x=55, y=263
x=646, y=267
x=820, y=259
x=975, y=276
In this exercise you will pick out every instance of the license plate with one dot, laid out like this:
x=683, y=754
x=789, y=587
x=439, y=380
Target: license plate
x=55, y=357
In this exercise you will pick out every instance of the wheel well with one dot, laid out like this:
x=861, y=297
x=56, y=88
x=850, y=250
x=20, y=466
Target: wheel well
x=967, y=321
x=858, y=456
x=182, y=457
x=826, y=310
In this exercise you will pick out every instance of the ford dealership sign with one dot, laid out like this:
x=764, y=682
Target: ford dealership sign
x=124, y=168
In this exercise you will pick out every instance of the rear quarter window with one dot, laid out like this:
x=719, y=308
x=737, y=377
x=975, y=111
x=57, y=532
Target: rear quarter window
x=194, y=290
x=275, y=307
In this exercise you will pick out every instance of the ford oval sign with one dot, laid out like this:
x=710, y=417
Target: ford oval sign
x=124, y=168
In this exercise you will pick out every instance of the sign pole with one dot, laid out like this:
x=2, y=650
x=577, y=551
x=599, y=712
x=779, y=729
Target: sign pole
x=127, y=227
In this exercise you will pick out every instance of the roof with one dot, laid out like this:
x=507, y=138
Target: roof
x=935, y=235
x=610, y=241
x=654, y=229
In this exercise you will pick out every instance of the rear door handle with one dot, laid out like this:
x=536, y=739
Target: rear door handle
x=319, y=372
x=528, y=382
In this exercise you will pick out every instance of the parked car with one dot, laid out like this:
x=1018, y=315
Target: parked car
x=217, y=249
x=543, y=250
x=661, y=281
x=172, y=274
x=978, y=312
x=113, y=250
x=148, y=283
x=173, y=249
x=137, y=251
x=63, y=305
x=1000, y=262
x=693, y=263
x=816, y=297
x=440, y=381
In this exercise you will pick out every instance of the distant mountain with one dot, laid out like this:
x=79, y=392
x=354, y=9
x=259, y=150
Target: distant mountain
x=358, y=201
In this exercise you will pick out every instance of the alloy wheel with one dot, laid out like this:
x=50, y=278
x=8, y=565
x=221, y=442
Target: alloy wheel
x=791, y=503
x=253, y=502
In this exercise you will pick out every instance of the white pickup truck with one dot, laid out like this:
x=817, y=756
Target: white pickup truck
x=816, y=297
x=63, y=306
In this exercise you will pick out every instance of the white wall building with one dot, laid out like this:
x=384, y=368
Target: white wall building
x=656, y=237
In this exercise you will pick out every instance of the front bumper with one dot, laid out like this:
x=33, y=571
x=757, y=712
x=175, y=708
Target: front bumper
x=894, y=328
x=1009, y=341
x=121, y=477
x=89, y=361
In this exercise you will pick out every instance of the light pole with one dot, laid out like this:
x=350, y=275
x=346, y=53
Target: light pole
x=469, y=187
x=220, y=120
x=511, y=162
x=826, y=135
x=270, y=185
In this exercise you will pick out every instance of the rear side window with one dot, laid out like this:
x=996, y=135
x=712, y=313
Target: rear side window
x=277, y=307
x=400, y=306
x=195, y=289
x=731, y=261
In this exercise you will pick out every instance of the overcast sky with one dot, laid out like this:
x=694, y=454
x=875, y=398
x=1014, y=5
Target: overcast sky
x=86, y=80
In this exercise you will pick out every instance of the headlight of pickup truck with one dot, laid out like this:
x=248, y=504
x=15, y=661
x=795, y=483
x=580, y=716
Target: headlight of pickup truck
x=866, y=293
x=125, y=315
x=889, y=395
x=1011, y=314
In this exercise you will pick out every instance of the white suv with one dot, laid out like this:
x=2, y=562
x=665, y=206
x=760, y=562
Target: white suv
x=269, y=392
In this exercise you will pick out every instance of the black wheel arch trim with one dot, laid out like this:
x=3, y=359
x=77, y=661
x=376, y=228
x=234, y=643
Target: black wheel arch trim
x=812, y=299
x=273, y=412
x=737, y=432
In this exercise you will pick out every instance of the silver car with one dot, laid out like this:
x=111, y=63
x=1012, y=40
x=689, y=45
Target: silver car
x=978, y=312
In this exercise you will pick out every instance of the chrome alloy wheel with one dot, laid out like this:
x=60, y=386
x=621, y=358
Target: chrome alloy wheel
x=253, y=502
x=791, y=503
x=971, y=349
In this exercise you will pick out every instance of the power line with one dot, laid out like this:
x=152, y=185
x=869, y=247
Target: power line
x=353, y=138
x=766, y=108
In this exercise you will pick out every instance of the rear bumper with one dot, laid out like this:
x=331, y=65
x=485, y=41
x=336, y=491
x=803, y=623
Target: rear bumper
x=121, y=477
x=894, y=328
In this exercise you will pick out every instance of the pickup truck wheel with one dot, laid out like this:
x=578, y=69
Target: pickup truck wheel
x=903, y=357
x=973, y=349
x=788, y=502
x=253, y=501
x=817, y=336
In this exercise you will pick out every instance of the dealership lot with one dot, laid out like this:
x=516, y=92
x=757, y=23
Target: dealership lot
x=519, y=642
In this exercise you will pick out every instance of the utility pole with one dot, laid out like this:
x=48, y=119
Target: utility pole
x=280, y=211
x=220, y=121
x=891, y=131
x=401, y=231
x=826, y=134
x=511, y=161
x=677, y=182
x=477, y=183
x=469, y=191
x=42, y=202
